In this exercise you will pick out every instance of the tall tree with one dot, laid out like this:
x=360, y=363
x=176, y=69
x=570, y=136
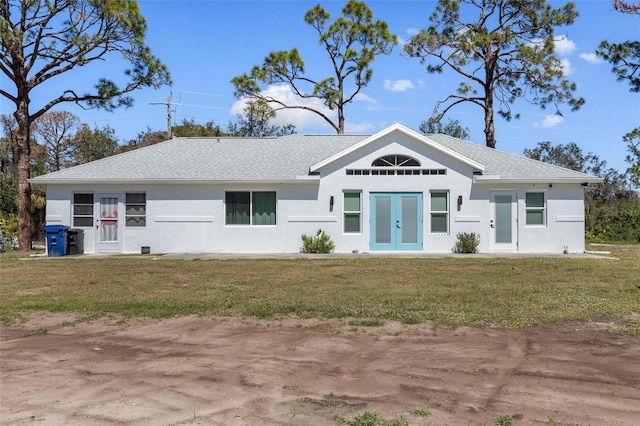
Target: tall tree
x=44, y=39
x=505, y=53
x=9, y=181
x=624, y=57
x=189, y=128
x=8, y=161
x=145, y=138
x=8, y=165
x=255, y=122
x=626, y=7
x=352, y=42
x=451, y=128
x=633, y=147
x=571, y=157
x=55, y=130
x=625, y=60
x=90, y=145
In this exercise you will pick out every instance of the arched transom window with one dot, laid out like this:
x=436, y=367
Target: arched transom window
x=395, y=165
x=395, y=160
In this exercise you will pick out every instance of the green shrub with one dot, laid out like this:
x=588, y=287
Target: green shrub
x=467, y=242
x=504, y=421
x=8, y=231
x=371, y=418
x=320, y=243
x=614, y=224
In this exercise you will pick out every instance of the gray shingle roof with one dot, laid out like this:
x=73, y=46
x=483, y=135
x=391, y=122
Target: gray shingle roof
x=211, y=159
x=273, y=160
x=508, y=166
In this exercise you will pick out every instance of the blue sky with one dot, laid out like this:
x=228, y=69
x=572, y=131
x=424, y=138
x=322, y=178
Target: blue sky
x=206, y=43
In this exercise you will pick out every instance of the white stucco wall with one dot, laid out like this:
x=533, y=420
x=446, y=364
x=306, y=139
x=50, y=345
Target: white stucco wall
x=190, y=217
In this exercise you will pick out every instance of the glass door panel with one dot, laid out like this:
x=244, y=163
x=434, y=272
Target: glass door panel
x=409, y=219
x=383, y=220
x=503, y=219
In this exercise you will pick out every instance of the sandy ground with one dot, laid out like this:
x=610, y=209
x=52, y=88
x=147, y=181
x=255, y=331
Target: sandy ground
x=58, y=370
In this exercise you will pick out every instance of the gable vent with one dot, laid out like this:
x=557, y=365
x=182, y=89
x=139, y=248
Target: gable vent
x=396, y=172
x=395, y=160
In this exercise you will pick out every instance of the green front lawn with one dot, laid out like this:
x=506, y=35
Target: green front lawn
x=462, y=290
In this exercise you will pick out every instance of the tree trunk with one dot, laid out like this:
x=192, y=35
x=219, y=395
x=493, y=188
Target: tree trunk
x=340, y=104
x=24, y=188
x=489, y=125
x=340, y=120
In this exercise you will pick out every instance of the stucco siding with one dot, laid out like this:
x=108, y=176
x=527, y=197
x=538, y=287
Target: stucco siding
x=185, y=207
x=191, y=218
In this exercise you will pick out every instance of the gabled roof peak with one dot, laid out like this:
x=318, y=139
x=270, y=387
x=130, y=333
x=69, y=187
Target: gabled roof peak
x=398, y=127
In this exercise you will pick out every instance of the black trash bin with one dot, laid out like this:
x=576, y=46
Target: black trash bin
x=75, y=241
x=57, y=236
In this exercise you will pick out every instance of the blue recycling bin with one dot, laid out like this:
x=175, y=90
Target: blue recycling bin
x=57, y=237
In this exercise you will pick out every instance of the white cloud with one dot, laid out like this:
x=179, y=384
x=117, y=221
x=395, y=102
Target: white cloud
x=399, y=85
x=363, y=128
x=592, y=58
x=300, y=118
x=550, y=121
x=564, y=46
x=566, y=66
x=367, y=99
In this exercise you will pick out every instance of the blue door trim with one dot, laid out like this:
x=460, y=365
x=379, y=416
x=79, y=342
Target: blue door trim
x=388, y=212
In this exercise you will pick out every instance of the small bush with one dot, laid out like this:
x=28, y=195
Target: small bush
x=371, y=418
x=504, y=421
x=421, y=412
x=321, y=243
x=467, y=242
x=8, y=231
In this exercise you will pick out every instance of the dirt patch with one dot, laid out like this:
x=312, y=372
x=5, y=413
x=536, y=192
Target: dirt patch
x=63, y=370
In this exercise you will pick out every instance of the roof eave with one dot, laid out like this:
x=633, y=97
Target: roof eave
x=559, y=180
x=297, y=180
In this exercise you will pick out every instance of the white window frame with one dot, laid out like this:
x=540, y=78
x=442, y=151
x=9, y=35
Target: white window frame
x=127, y=204
x=346, y=212
x=439, y=212
x=251, y=212
x=92, y=208
x=542, y=209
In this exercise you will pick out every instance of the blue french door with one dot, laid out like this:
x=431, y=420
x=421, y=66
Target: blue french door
x=396, y=221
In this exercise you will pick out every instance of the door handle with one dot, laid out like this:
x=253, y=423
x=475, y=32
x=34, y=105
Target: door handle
x=398, y=224
x=492, y=225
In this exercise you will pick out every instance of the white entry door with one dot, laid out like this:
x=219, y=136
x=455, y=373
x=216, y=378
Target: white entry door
x=108, y=223
x=504, y=220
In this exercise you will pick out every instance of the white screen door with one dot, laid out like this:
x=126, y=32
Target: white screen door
x=108, y=223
